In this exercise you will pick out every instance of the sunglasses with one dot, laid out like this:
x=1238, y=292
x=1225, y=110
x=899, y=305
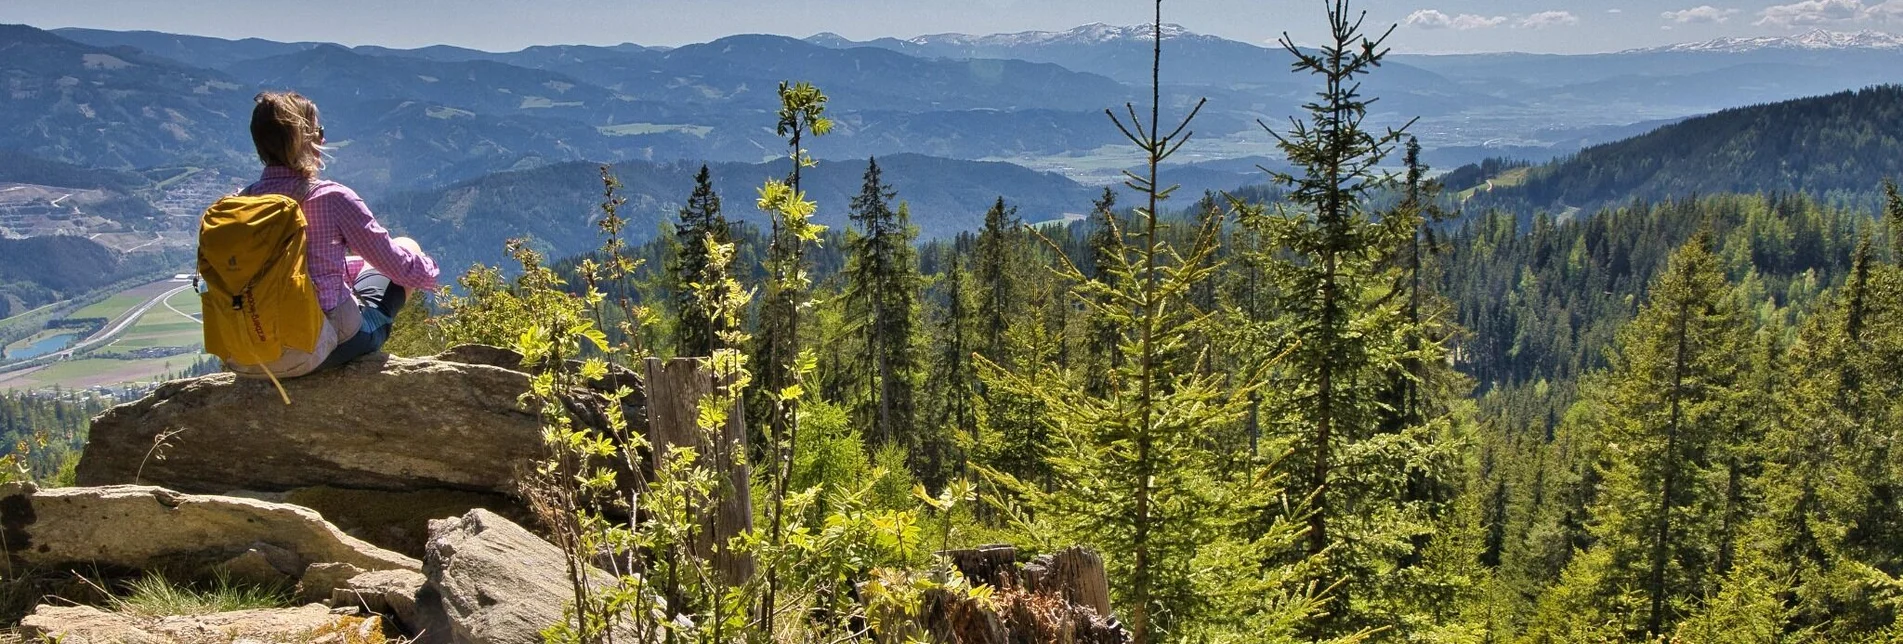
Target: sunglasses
x=320, y=134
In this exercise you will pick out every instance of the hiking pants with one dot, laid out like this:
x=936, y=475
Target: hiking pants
x=379, y=299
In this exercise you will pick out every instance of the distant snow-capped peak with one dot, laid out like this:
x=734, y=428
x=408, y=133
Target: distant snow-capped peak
x=1818, y=40
x=1088, y=34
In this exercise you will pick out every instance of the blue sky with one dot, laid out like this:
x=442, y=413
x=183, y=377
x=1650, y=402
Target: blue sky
x=1561, y=26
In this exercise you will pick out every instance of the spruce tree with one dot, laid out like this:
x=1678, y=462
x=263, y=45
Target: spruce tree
x=1893, y=219
x=1335, y=252
x=952, y=376
x=1134, y=471
x=1101, y=353
x=1672, y=395
x=700, y=222
x=881, y=308
x=994, y=272
x=1337, y=328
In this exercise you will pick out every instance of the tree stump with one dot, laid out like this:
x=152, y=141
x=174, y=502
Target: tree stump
x=1075, y=574
x=675, y=388
x=994, y=565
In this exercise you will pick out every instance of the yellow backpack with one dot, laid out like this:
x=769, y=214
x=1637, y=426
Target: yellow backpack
x=258, y=296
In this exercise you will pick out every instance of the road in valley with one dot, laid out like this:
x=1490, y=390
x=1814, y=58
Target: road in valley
x=124, y=322
x=188, y=316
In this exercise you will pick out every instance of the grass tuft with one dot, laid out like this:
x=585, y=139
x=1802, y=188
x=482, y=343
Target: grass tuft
x=156, y=596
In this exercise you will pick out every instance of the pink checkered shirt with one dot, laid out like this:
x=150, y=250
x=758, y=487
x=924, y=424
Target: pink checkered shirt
x=338, y=224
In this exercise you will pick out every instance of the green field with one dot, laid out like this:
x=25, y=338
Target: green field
x=163, y=327
x=537, y=102
x=117, y=305
x=1506, y=179
x=80, y=374
x=159, y=326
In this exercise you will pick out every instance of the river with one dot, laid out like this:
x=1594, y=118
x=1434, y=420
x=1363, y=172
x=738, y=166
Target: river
x=44, y=346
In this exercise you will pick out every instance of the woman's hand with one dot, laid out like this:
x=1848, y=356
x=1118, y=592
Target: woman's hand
x=408, y=243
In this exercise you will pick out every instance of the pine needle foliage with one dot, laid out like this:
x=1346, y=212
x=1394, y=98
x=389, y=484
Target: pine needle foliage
x=882, y=310
x=1131, y=467
x=700, y=221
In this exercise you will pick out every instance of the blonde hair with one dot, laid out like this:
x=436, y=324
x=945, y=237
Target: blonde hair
x=284, y=129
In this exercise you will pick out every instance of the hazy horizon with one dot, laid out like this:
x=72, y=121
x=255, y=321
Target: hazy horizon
x=1444, y=26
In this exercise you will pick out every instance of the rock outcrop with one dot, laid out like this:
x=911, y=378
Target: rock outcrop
x=489, y=581
x=150, y=528
x=379, y=423
x=309, y=624
x=379, y=446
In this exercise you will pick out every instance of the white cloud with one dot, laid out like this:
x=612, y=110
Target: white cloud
x=1615, y=11
x=1434, y=19
x=1814, y=13
x=1888, y=11
x=1546, y=19
x=1705, y=14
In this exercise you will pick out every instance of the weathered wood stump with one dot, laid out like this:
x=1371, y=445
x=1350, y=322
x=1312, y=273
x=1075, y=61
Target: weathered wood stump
x=1058, y=598
x=1076, y=575
x=994, y=565
x=675, y=388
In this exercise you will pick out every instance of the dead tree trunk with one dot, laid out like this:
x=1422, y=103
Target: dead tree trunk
x=675, y=388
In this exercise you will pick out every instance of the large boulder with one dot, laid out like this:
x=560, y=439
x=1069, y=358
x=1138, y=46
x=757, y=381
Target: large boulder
x=489, y=581
x=379, y=446
x=149, y=528
x=378, y=423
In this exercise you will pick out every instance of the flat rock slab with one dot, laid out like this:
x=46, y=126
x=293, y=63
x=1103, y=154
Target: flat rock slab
x=310, y=624
x=150, y=528
x=378, y=423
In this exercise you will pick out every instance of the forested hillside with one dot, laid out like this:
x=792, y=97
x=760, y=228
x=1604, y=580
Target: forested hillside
x=469, y=222
x=1827, y=146
x=40, y=270
x=1350, y=407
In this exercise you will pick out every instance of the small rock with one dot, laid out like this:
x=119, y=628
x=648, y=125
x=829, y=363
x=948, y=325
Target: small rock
x=321, y=578
x=254, y=568
x=82, y=625
x=387, y=592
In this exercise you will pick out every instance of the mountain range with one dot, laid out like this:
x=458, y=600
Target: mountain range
x=1684, y=79
x=556, y=206
x=1818, y=40
x=472, y=146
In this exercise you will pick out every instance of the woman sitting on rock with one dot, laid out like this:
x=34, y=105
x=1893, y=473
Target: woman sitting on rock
x=360, y=274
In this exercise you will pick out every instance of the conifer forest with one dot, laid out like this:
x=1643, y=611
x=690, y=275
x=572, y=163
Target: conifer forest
x=1344, y=409
x=1351, y=405
x=1347, y=409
